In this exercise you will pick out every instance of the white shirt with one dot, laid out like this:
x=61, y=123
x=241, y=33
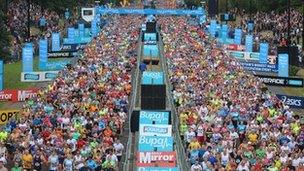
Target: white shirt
x=196, y=167
x=189, y=136
x=118, y=148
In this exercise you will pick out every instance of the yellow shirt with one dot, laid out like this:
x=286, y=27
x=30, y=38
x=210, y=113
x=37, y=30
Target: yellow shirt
x=194, y=145
x=27, y=161
x=253, y=137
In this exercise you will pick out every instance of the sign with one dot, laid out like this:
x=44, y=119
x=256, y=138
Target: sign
x=150, y=36
x=238, y=36
x=1, y=74
x=153, y=117
x=155, y=130
x=61, y=54
x=155, y=143
x=94, y=27
x=43, y=55
x=213, y=28
x=27, y=57
x=17, y=95
x=235, y=47
x=250, y=26
x=58, y=65
x=283, y=65
x=281, y=81
x=250, y=66
x=154, y=159
x=102, y=11
x=151, y=51
x=81, y=29
x=72, y=47
x=292, y=101
x=152, y=78
x=224, y=32
x=157, y=169
x=6, y=115
x=263, y=53
x=55, y=42
x=249, y=43
x=42, y=22
x=38, y=76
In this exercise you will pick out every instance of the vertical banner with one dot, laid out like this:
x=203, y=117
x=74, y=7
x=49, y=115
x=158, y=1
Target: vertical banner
x=43, y=52
x=283, y=65
x=202, y=19
x=81, y=30
x=55, y=42
x=213, y=27
x=238, y=36
x=250, y=26
x=94, y=27
x=71, y=35
x=249, y=43
x=27, y=57
x=224, y=32
x=264, y=53
x=1, y=74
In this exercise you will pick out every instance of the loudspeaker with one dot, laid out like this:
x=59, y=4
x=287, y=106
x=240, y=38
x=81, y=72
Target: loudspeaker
x=153, y=103
x=293, y=54
x=151, y=27
x=212, y=7
x=134, y=124
x=155, y=91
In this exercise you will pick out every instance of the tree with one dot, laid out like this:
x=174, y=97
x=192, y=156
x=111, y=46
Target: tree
x=4, y=38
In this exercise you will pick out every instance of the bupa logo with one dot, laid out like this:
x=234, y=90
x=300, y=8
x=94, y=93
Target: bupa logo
x=154, y=117
x=152, y=143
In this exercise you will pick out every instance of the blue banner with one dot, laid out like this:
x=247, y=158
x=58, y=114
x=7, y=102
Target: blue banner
x=292, y=101
x=250, y=26
x=150, y=51
x=150, y=36
x=157, y=169
x=56, y=66
x=42, y=22
x=153, y=117
x=224, y=32
x=202, y=19
x=102, y=11
x=43, y=54
x=1, y=74
x=67, y=15
x=283, y=65
x=55, y=42
x=264, y=53
x=81, y=30
x=155, y=143
x=71, y=35
x=238, y=36
x=213, y=28
x=27, y=57
x=94, y=27
x=249, y=43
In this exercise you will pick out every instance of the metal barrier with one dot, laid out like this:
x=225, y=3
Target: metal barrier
x=182, y=158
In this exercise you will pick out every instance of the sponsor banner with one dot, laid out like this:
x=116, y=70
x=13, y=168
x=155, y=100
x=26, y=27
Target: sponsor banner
x=72, y=47
x=157, y=169
x=94, y=27
x=283, y=65
x=250, y=66
x=55, y=66
x=213, y=28
x=224, y=32
x=27, y=57
x=155, y=143
x=253, y=56
x=264, y=53
x=281, y=81
x=155, y=130
x=81, y=29
x=55, y=42
x=6, y=115
x=152, y=78
x=154, y=159
x=71, y=34
x=249, y=43
x=153, y=117
x=151, y=51
x=238, y=36
x=43, y=55
x=77, y=40
x=61, y=54
x=101, y=10
x=250, y=26
x=150, y=37
x=292, y=101
x=38, y=76
x=18, y=95
x=202, y=19
x=235, y=47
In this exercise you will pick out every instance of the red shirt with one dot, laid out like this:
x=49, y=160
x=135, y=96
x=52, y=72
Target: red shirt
x=80, y=143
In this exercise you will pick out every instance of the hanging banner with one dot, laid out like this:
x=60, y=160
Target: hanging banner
x=152, y=78
x=43, y=54
x=249, y=43
x=155, y=143
x=283, y=65
x=71, y=34
x=155, y=130
x=292, y=101
x=27, y=57
x=264, y=47
x=238, y=36
x=224, y=32
x=81, y=30
x=156, y=159
x=55, y=42
x=94, y=27
x=213, y=28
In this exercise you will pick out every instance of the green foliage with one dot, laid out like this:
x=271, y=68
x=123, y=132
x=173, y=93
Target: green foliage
x=4, y=38
x=191, y=3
